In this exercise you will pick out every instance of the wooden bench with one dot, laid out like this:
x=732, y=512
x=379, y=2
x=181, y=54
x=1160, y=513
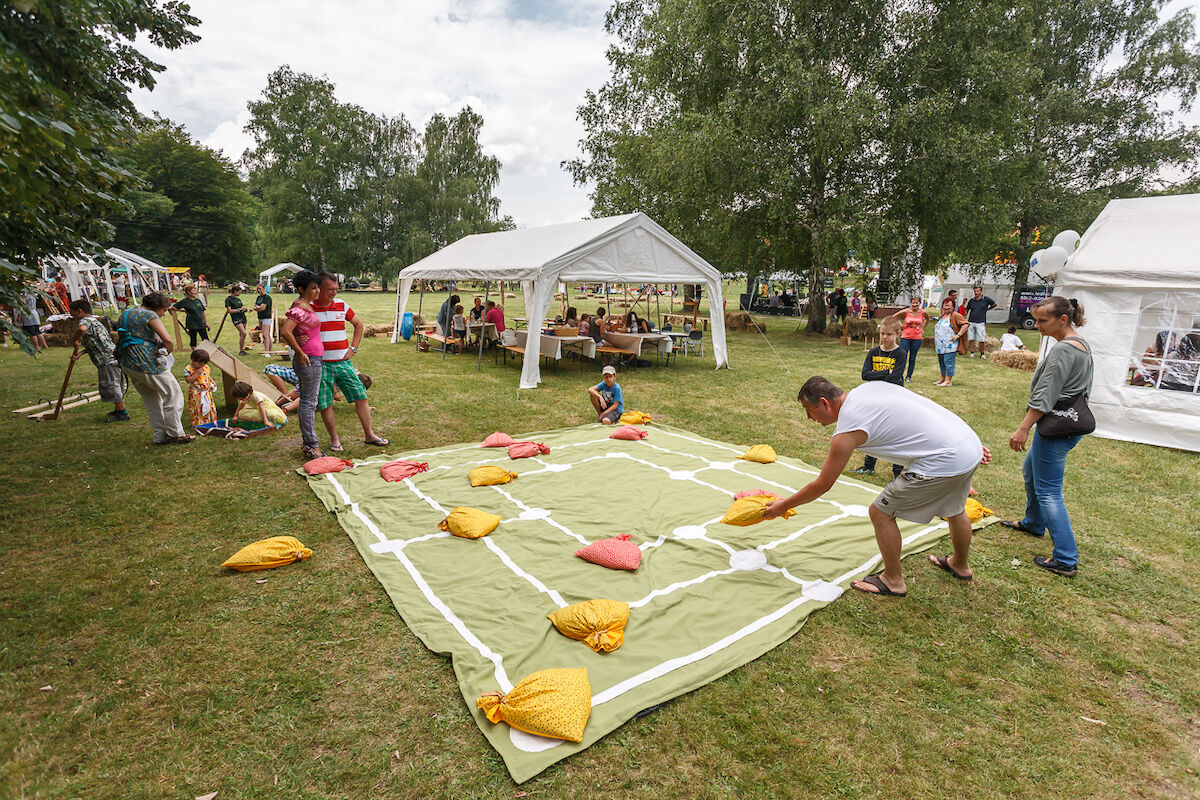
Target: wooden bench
x=614, y=352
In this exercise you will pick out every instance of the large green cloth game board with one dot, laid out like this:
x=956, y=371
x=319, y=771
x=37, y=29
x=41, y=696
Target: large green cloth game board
x=706, y=598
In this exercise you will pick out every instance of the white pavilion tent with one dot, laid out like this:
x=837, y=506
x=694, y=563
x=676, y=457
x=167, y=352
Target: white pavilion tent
x=144, y=275
x=625, y=249
x=266, y=275
x=1137, y=274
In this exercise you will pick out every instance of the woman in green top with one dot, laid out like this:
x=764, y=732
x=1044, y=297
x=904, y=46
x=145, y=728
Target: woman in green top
x=1065, y=372
x=195, y=321
x=234, y=308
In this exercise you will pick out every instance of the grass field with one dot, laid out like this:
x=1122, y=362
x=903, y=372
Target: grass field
x=132, y=665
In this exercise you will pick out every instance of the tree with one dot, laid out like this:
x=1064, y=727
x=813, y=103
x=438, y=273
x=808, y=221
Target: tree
x=749, y=128
x=192, y=207
x=66, y=68
x=299, y=166
x=1099, y=80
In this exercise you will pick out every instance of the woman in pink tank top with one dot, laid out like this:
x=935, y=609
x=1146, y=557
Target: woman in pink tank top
x=302, y=322
x=913, y=319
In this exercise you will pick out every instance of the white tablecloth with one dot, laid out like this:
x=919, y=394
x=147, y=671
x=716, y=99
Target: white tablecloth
x=640, y=341
x=555, y=346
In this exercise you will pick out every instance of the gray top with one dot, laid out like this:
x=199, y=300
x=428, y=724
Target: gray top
x=1065, y=372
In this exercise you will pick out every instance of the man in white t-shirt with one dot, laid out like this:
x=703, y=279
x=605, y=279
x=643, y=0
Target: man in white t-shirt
x=940, y=453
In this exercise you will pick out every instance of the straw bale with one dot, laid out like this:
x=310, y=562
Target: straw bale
x=1025, y=360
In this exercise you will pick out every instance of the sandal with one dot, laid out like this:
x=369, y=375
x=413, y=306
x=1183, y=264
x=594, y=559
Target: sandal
x=1016, y=526
x=1054, y=565
x=312, y=452
x=880, y=587
x=944, y=563
x=185, y=439
x=336, y=448
x=380, y=442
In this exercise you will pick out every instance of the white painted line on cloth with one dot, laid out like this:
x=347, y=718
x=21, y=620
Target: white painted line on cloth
x=676, y=586
x=534, y=582
x=801, y=532
x=435, y=601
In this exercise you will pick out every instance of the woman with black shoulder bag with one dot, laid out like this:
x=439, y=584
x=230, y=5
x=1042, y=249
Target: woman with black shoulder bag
x=1058, y=408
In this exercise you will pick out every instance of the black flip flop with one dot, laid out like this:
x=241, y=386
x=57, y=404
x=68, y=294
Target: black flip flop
x=944, y=563
x=1017, y=526
x=380, y=442
x=877, y=582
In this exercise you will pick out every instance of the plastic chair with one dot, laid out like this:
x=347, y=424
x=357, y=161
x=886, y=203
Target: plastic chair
x=666, y=328
x=695, y=339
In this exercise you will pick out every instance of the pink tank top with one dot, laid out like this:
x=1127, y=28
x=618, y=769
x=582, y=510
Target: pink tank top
x=914, y=325
x=308, y=324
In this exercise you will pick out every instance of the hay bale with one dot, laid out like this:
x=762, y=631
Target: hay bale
x=741, y=321
x=378, y=330
x=991, y=345
x=58, y=339
x=1024, y=360
x=859, y=329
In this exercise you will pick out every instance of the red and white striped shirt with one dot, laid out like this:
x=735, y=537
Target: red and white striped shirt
x=333, y=329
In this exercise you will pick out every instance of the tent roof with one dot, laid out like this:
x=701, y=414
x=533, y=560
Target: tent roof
x=266, y=273
x=609, y=249
x=1142, y=242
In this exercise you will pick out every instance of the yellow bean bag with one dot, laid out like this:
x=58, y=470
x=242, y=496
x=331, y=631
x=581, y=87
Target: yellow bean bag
x=469, y=523
x=490, y=475
x=551, y=702
x=599, y=623
x=976, y=511
x=762, y=453
x=635, y=418
x=268, y=553
x=749, y=510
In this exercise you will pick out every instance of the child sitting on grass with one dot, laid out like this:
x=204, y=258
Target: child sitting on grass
x=256, y=407
x=607, y=398
x=1010, y=340
x=201, y=406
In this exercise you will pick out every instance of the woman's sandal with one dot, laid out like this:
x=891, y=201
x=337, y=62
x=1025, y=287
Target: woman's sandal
x=312, y=452
x=880, y=587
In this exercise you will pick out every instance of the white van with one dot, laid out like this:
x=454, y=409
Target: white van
x=1000, y=289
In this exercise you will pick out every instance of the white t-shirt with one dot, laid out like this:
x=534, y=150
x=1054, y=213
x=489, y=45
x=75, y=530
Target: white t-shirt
x=903, y=427
x=1010, y=341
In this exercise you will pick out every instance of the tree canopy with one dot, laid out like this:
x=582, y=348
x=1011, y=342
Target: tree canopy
x=66, y=70
x=191, y=207
x=788, y=135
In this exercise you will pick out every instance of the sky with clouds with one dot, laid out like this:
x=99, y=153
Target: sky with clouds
x=524, y=65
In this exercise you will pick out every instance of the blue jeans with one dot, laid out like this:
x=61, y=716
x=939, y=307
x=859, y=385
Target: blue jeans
x=308, y=386
x=910, y=348
x=946, y=363
x=1045, y=507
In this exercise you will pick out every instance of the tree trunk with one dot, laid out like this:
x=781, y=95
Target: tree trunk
x=816, y=282
x=1021, y=274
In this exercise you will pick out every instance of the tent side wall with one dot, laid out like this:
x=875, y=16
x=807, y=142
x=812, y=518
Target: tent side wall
x=1130, y=413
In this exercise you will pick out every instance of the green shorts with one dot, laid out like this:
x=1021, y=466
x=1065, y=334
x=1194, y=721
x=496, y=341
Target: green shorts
x=346, y=377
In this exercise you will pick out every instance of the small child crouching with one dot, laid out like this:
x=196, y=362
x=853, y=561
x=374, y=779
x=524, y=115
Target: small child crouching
x=256, y=407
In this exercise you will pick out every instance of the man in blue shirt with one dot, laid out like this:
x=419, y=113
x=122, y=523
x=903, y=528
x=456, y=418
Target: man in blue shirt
x=977, y=308
x=606, y=397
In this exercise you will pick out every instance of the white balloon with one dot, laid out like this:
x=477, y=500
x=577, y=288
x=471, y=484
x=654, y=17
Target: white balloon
x=1035, y=262
x=1051, y=261
x=1068, y=240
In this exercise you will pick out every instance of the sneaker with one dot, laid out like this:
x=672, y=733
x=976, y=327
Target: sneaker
x=243, y=352
x=1055, y=566
x=983, y=356
x=863, y=471
x=117, y=416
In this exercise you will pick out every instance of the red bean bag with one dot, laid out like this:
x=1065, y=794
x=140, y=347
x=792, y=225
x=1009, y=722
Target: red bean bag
x=753, y=492
x=629, y=432
x=527, y=449
x=319, y=466
x=400, y=469
x=615, y=553
x=497, y=439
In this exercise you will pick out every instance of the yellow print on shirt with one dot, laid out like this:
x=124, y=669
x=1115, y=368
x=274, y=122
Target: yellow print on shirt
x=883, y=363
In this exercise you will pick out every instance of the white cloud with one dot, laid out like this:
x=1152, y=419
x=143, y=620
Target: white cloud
x=524, y=65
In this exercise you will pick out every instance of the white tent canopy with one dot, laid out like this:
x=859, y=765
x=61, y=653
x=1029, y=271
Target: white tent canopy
x=1137, y=274
x=144, y=275
x=265, y=276
x=626, y=249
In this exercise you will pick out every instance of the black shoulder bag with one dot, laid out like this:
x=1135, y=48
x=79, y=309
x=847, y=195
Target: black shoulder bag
x=1069, y=417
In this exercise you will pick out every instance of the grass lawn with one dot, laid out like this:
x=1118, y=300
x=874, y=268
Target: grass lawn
x=132, y=665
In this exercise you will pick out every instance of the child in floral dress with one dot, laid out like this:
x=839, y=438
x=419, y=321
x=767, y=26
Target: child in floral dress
x=200, y=403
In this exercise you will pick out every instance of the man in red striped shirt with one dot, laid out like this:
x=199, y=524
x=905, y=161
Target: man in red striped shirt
x=336, y=367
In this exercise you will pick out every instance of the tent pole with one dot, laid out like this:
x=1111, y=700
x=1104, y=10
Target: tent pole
x=420, y=300
x=482, y=325
x=657, y=307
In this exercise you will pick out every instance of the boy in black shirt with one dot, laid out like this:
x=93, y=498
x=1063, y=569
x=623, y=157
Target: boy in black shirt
x=884, y=363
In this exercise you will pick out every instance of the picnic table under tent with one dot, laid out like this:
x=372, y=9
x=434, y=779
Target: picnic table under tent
x=625, y=249
x=1136, y=272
